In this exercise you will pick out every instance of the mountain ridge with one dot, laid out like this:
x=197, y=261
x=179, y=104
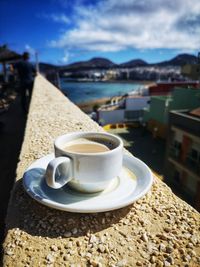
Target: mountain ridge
x=104, y=63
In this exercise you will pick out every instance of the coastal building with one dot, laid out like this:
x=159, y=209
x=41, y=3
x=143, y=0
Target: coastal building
x=182, y=168
x=192, y=70
x=123, y=109
x=167, y=87
x=111, y=74
x=130, y=107
x=156, y=115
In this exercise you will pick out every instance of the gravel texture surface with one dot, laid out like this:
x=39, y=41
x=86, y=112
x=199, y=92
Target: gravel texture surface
x=157, y=230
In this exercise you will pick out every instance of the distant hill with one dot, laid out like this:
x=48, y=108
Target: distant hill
x=134, y=63
x=45, y=67
x=94, y=63
x=179, y=60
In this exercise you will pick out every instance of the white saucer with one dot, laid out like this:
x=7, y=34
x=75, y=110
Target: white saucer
x=134, y=181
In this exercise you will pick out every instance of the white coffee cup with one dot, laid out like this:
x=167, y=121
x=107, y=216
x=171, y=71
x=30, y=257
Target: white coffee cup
x=85, y=171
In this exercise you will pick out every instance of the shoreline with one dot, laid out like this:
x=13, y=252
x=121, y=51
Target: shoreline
x=109, y=81
x=89, y=106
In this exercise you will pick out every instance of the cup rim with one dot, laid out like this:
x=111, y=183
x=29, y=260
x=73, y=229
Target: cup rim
x=58, y=139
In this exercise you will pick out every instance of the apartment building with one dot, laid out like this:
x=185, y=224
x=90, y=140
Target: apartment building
x=182, y=168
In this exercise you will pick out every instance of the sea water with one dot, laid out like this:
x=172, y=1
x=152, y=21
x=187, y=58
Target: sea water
x=80, y=92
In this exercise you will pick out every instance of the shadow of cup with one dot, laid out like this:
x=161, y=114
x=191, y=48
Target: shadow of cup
x=39, y=220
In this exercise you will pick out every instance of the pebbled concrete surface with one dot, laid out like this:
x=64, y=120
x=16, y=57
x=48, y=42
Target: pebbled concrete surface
x=157, y=230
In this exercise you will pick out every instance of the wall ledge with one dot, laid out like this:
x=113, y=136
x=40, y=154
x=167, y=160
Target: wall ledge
x=158, y=230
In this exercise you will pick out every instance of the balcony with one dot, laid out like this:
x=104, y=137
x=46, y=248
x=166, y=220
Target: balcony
x=157, y=230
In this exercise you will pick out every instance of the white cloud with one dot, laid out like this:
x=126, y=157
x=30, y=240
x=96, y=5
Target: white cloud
x=62, y=18
x=114, y=25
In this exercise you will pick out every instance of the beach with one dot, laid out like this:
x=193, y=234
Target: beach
x=89, y=106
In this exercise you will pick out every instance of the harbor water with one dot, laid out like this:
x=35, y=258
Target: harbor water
x=80, y=92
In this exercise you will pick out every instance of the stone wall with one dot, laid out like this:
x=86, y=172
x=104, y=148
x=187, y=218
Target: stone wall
x=157, y=230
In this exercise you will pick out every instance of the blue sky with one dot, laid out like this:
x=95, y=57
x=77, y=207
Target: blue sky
x=65, y=31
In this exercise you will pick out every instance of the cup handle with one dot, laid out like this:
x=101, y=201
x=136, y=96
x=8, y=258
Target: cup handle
x=58, y=172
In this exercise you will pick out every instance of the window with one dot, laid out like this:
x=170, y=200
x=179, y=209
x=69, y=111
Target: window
x=193, y=160
x=194, y=154
x=175, y=149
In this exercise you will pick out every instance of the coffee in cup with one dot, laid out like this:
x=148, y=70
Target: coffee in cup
x=84, y=145
x=87, y=161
